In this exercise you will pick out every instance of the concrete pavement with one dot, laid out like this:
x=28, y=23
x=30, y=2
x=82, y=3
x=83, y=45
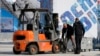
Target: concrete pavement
x=6, y=50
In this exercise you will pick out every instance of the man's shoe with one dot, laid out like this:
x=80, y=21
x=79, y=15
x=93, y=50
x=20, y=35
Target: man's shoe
x=76, y=52
x=64, y=51
x=73, y=50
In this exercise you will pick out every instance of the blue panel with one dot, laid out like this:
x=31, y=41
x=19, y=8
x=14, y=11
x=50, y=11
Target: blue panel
x=47, y=4
x=9, y=23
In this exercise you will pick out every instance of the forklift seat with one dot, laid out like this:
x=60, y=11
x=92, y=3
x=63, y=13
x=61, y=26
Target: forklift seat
x=29, y=26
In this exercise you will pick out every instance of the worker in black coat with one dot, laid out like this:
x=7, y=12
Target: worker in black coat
x=67, y=33
x=79, y=33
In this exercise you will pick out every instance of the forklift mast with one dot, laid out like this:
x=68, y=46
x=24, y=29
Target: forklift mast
x=34, y=24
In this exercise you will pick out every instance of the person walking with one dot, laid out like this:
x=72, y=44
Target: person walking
x=79, y=33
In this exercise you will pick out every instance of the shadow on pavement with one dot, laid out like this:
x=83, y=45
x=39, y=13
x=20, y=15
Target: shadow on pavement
x=26, y=53
x=6, y=53
x=6, y=43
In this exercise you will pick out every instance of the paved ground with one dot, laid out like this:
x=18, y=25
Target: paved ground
x=6, y=50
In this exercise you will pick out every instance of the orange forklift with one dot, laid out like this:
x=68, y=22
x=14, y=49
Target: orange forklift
x=34, y=36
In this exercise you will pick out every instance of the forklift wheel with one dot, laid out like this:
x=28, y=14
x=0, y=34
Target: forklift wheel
x=55, y=48
x=33, y=49
x=15, y=51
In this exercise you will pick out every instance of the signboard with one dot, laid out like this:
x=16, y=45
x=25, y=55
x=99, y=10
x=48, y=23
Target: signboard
x=85, y=10
x=8, y=22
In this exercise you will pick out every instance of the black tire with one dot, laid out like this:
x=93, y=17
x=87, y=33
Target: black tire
x=89, y=50
x=33, y=49
x=55, y=47
x=15, y=51
x=84, y=50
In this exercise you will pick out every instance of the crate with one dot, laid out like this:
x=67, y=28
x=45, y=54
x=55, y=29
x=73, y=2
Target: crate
x=96, y=43
x=87, y=44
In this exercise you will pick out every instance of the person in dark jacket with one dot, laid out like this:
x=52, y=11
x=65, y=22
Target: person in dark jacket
x=79, y=33
x=67, y=33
